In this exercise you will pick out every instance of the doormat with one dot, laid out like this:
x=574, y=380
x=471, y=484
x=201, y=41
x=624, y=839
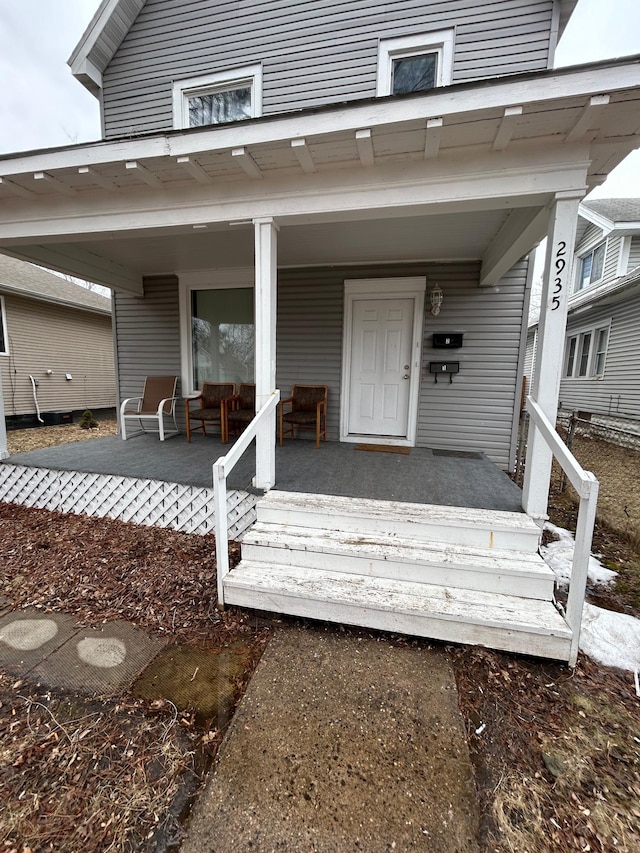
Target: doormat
x=385, y=448
x=459, y=454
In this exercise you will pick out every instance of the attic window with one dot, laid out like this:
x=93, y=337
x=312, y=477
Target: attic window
x=592, y=267
x=415, y=63
x=218, y=98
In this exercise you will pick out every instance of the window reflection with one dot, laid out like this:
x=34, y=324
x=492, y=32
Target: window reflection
x=222, y=335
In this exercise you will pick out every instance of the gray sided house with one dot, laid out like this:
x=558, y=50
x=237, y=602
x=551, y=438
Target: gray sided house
x=52, y=329
x=342, y=194
x=601, y=368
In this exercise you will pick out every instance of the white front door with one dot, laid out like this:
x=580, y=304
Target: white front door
x=381, y=364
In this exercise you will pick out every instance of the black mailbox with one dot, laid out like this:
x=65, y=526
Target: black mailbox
x=447, y=340
x=446, y=367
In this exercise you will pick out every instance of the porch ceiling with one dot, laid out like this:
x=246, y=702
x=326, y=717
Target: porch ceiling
x=459, y=172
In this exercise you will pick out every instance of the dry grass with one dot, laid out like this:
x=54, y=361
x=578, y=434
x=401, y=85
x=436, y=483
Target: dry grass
x=22, y=440
x=81, y=775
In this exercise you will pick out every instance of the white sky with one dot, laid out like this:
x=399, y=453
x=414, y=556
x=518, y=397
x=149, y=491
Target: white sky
x=42, y=106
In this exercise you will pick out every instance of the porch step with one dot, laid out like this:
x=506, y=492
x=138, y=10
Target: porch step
x=517, y=573
x=465, y=526
x=497, y=620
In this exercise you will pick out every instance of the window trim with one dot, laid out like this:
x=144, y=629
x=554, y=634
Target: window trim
x=579, y=287
x=439, y=42
x=220, y=81
x=3, y=321
x=215, y=279
x=579, y=335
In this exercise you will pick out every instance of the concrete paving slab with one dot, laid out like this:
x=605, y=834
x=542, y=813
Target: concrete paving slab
x=100, y=661
x=28, y=637
x=341, y=744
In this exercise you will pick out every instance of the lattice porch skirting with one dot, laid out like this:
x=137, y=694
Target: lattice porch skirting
x=151, y=502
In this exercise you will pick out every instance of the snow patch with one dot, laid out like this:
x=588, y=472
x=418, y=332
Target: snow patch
x=612, y=639
x=559, y=557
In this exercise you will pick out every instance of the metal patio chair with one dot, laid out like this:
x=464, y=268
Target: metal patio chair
x=213, y=400
x=307, y=410
x=157, y=403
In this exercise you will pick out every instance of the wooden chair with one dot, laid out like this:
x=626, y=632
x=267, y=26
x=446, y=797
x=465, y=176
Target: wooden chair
x=212, y=399
x=241, y=408
x=307, y=410
x=157, y=403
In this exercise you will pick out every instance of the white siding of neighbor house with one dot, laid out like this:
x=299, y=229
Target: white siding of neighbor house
x=43, y=336
x=591, y=237
x=530, y=355
x=474, y=413
x=618, y=392
x=612, y=257
x=312, y=53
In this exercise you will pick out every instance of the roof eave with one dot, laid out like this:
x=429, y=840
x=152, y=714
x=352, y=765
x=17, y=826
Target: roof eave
x=66, y=303
x=100, y=41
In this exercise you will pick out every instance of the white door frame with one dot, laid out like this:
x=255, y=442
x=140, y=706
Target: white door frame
x=379, y=288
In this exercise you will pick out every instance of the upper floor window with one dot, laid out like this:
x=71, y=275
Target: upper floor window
x=4, y=343
x=415, y=63
x=586, y=352
x=591, y=267
x=226, y=96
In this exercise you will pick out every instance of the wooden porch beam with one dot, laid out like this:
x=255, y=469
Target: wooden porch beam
x=432, y=138
x=588, y=115
x=507, y=126
x=82, y=264
x=56, y=183
x=193, y=168
x=523, y=229
x=303, y=155
x=143, y=173
x=364, y=144
x=246, y=162
x=556, y=288
x=16, y=189
x=97, y=178
x=265, y=295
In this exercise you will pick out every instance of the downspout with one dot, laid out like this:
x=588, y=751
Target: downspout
x=34, y=386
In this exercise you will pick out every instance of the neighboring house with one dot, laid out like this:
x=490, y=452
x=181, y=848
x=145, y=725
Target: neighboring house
x=342, y=194
x=56, y=345
x=601, y=365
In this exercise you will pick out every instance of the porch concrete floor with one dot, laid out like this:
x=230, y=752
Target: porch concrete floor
x=423, y=476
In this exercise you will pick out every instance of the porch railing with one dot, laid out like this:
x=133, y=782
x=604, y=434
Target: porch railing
x=221, y=470
x=586, y=485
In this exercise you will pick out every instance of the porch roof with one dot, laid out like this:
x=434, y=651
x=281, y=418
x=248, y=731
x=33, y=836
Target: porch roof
x=486, y=157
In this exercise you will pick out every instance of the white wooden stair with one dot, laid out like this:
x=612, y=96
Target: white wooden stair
x=448, y=573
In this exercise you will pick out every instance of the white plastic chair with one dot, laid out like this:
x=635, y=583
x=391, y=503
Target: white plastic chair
x=158, y=402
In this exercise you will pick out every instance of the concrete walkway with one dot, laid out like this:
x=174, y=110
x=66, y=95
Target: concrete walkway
x=341, y=744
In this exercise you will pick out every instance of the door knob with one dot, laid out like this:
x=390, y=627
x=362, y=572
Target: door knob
x=406, y=376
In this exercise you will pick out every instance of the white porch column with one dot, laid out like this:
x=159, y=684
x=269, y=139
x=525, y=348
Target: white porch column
x=556, y=287
x=266, y=233
x=4, y=453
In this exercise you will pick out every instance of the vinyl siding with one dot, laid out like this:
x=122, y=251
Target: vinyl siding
x=474, y=413
x=618, y=392
x=530, y=355
x=634, y=253
x=148, y=336
x=611, y=257
x=590, y=238
x=43, y=336
x=312, y=53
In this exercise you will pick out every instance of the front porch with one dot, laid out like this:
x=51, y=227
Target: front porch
x=423, y=475
x=428, y=542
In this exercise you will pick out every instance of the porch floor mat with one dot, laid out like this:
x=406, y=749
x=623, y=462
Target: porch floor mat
x=385, y=448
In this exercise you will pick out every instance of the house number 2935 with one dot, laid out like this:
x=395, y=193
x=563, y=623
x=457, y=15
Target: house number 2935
x=560, y=265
